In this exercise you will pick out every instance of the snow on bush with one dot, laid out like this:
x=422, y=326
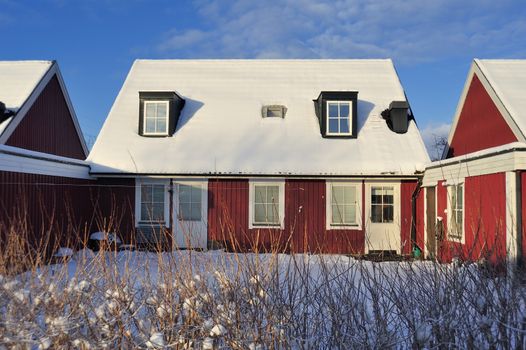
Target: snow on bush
x=209, y=300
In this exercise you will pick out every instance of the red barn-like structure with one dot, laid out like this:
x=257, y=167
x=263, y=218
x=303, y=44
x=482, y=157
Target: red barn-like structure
x=474, y=196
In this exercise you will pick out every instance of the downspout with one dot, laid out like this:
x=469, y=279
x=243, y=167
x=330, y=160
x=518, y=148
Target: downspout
x=413, y=214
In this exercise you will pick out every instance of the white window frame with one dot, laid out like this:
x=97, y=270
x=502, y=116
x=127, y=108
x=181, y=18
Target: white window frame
x=327, y=131
x=452, y=211
x=281, y=202
x=328, y=205
x=148, y=181
x=147, y=102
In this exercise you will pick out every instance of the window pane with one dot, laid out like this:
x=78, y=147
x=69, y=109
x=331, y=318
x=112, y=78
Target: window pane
x=146, y=193
x=376, y=213
x=376, y=195
x=161, y=125
x=344, y=125
x=145, y=213
x=344, y=110
x=337, y=214
x=150, y=125
x=350, y=194
x=161, y=110
x=184, y=194
x=150, y=110
x=196, y=194
x=272, y=213
x=333, y=110
x=333, y=125
x=184, y=211
x=350, y=214
x=259, y=213
x=388, y=213
x=388, y=195
x=158, y=211
x=337, y=194
x=272, y=194
x=260, y=194
x=158, y=193
x=196, y=212
x=459, y=196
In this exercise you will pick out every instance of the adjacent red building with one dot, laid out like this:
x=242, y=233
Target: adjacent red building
x=474, y=196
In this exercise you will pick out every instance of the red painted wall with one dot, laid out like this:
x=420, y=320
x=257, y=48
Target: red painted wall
x=480, y=124
x=41, y=208
x=48, y=127
x=523, y=209
x=407, y=189
x=484, y=220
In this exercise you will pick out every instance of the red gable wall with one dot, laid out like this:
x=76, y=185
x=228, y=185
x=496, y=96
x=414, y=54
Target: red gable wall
x=480, y=124
x=48, y=127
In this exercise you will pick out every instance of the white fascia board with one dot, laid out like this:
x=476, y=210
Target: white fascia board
x=475, y=69
x=511, y=216
x=21, y=113
x=20, y=163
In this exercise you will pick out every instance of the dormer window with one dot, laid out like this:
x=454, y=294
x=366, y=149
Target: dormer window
x=159, y=113
x=156, y=117
x=339, y=118
x=337, y=113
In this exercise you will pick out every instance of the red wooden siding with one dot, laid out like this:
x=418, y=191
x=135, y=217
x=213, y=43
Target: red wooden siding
x=48, y=127
x=407, y=189
x=41, y=207
x=480, y=124
x=484, y=220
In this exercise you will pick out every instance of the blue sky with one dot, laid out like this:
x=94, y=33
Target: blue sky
x=432, y=43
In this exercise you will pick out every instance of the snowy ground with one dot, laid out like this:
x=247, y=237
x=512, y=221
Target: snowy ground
x=205, y=300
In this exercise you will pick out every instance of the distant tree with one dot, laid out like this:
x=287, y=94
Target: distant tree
x=438, y=146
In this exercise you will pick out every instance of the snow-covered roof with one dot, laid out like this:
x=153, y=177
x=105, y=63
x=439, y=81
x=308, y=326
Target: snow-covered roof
x=18, y=79
x=221, y=130
x=508, y=80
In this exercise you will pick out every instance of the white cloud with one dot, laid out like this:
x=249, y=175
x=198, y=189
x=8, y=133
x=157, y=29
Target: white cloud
x=408, y=31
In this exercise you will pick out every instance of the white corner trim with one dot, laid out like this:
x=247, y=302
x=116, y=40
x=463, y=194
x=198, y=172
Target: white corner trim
x=251, y=201
x=28, y=103
x=511, y=216
x=152, y=181
x=328, y=204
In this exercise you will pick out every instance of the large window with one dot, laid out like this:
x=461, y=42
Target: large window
x=190, y=202
x=382, y=204
x=339, y=117
x=156, y=117
x=152, y=203
x=343, y=205
x=456, y=212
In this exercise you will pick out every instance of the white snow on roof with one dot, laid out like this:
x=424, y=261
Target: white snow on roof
x=221, y=130
x=508, y=79
x=18, y=79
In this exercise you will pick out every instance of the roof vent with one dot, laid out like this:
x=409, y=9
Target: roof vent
x=4, y=112
x=273, y=111
x=397, y=116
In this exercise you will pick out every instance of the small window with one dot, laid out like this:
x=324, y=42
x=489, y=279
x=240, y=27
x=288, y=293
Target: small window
x=156, y=117
x=190, y=202
x=343, y=205
x=152, y=203
x=456, y=213
x=339, y=117
x=382, y=204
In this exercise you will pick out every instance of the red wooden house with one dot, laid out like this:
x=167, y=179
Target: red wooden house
x=42, y=169
x=288, y=154
x=474, y=196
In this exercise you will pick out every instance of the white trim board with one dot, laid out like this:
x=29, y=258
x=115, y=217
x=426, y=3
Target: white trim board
x=28, y=103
